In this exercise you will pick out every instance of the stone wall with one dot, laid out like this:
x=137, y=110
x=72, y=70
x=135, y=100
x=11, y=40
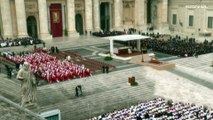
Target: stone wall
x=12, y=111
x=185, y=8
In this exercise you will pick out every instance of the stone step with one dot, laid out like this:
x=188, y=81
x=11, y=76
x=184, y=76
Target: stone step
x=83, y=112
x=62, y=97
x=78, y=106
x=88, y=91
x=74, y=110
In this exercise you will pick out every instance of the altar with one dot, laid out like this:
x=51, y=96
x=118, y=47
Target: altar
x=125, y=38
x=122, y=50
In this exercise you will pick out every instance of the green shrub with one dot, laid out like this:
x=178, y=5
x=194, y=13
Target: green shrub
x=134, y=84
x=108, y=58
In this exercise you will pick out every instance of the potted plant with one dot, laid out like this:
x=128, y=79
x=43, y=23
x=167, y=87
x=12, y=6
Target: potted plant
x=108, y=58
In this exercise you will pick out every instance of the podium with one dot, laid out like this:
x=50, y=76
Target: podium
x=131, y=80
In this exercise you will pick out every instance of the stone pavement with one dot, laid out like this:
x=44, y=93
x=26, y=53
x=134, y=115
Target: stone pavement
x=196, y=67
x=12, y=111
x=104, y=92
x=64, y=42
x=202, y=63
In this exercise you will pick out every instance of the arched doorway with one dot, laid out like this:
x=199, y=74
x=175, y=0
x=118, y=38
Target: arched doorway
x=32, y=26
x=149, y=13
x=79, y=24
x=105, y=16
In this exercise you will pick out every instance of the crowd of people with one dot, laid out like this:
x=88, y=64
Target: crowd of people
x=159, y=109
x=107, y=33
x=9, y=42
x=47, y=67
x=114, y=33
x=177, y=46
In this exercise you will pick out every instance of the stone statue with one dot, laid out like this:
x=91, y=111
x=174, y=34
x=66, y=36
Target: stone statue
x=28, y=85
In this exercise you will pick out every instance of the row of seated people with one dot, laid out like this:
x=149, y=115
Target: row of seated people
x=151, y=34
x=107, y=33
x=49, y=68
x=22, y=53
x=135, y=31
x=9, y=42
x=180, y=47
x=159, y=109
x=113, y=33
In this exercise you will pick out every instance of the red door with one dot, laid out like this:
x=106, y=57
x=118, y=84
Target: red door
x=56, y=20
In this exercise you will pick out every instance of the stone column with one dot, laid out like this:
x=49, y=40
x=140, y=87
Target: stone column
x=43, y=20
x=6, y=19
x=21, y=18
x=88, y=16
x=139, y=45
x=118, y=8
x=110, y=15
x=71, y=19
x=164, y=14
x=164, y=27
x=140, y=14
x=111, y=47
x=96, y=9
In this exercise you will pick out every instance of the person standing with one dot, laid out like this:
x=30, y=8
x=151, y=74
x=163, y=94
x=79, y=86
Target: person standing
x=107, y=69
x=103, y=68
x=76, y=91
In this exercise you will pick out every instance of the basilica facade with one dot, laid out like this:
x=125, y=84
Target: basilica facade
x=56, y=18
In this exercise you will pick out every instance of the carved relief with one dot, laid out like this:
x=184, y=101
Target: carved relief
x=31, y=7
x=56, y=17
x=79, y=5
x=154, y=9
x=128, y=14
x=154, y=12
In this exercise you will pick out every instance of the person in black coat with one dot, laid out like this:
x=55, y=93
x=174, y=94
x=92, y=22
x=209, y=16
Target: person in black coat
x=44, y=44
x=103, y=68
x=107, y=69
x=76, y=91
x=52, y=49
x=146, y=116
x=56, y=49
x=9, y=73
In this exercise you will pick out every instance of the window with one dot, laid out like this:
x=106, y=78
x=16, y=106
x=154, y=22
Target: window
x=174, y=17
x=191, y=20
x=210, y=22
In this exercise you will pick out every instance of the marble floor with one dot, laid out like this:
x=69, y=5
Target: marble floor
x=191, y=81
